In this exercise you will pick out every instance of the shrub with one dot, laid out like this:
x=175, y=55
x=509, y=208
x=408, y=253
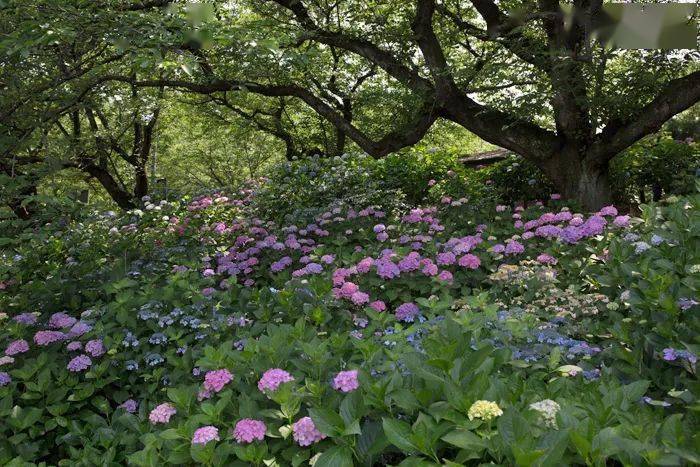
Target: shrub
x=654, y=167
x=457, y=332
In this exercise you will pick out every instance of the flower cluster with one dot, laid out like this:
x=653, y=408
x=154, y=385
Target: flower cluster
x=484, y=410
x=346, y=381
x=547, y=410
x=273, y=378
x=305, y=433
x=214, y=381
x=79, y=363
x=162, y=413
x=248, y=430
x=17, y=347
x=205, y=434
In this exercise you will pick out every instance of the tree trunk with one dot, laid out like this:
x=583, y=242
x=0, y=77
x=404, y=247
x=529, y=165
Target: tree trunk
x=586, y=183
x=141, y=185
x=120, y=196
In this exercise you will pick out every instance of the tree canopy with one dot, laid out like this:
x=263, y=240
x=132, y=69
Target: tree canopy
x=322, y=77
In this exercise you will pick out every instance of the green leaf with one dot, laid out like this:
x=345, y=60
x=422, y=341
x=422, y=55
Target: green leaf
x=337, y=456
x=327, y=422
x=465, y=439
x=171, y=433
x=399, y=434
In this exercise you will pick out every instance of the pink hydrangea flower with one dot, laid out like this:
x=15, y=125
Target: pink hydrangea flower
x=359, y=298
x=544, y=258
x=347, y=289
x=79, y=363
x=608, y=211
x=445, y=276
x=364, y=265
x=498, y=248
x=346, y=381
x=248, y=430
x=621, y=221
x=17, y=347
x=429, y=268
x=205, y=434
x=272, y=379
x=162, y=413
x=214, y=381
x=469, y=261
x=305, y=433
x=378, y=306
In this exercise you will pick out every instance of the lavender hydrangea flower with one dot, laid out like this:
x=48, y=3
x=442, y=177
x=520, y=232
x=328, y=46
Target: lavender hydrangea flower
x=407, y=312
x=205, y=434
x=5, y=379
x=79, y=363
x=129, y=405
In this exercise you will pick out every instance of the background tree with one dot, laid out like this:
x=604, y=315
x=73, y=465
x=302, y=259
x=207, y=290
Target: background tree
x=524, y=82
x=519, y=74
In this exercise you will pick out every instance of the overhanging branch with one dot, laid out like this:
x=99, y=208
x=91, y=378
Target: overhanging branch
x=678, y=95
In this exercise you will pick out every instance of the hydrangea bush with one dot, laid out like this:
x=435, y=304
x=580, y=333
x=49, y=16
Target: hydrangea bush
x=204, y=332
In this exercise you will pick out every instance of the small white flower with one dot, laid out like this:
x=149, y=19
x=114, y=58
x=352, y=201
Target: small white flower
x=548, y=410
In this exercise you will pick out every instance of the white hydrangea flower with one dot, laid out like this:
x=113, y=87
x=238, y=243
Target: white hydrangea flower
x=548, y=410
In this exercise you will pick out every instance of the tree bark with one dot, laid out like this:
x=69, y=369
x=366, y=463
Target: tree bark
x=577, y=178
x=120, y=196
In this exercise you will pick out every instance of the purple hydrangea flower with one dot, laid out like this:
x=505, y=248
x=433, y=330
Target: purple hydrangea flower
x=17, y=347
x=5, y=379
x=95, y=347
x=129, y=405
x=407, y=312
x=79, y=363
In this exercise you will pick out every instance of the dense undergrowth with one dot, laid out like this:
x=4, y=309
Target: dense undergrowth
x=370, y=332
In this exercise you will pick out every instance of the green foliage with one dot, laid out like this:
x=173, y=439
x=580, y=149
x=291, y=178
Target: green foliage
x=303, y=188
x=509, y=333
x=660, y=163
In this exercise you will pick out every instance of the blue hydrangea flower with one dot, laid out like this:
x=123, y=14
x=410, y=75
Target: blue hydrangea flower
x=130, y=340
x=158, y=338
x=154, y=359
x=131, y=365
